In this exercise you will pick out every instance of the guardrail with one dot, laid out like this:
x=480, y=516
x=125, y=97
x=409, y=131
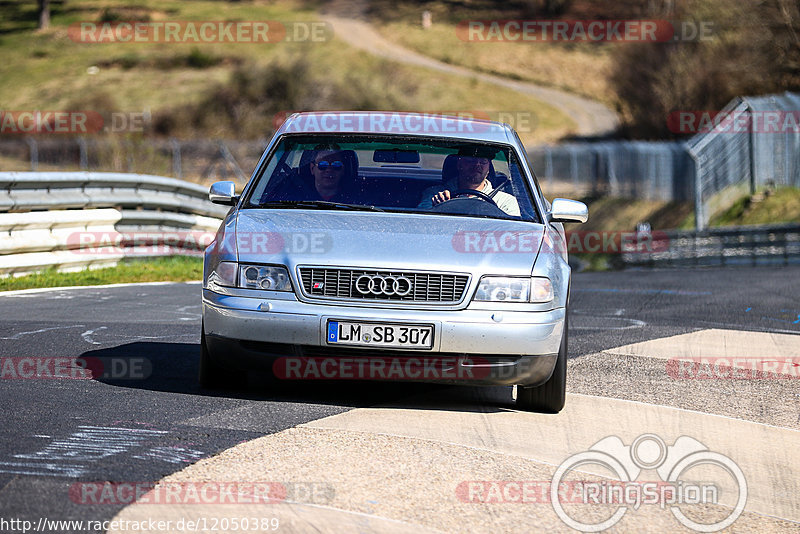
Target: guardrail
x=750, y=245
x=75, y=220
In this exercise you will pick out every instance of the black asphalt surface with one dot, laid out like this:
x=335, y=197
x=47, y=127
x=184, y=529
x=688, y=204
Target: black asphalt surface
x=55, y=433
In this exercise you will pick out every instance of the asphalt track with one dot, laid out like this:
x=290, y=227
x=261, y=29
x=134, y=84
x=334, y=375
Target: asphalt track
x=391, y=457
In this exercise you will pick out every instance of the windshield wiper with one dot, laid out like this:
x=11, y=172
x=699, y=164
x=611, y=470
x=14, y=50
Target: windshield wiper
x=317, y=204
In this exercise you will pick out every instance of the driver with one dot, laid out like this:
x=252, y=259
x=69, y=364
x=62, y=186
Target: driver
x=472, y=169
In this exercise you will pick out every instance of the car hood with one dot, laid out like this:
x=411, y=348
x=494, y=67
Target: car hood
x=387, y=241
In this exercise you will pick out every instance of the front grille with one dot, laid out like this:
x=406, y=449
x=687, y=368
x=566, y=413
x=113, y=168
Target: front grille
x=338, y=283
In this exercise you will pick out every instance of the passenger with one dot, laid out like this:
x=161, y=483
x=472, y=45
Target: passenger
x=472, y=171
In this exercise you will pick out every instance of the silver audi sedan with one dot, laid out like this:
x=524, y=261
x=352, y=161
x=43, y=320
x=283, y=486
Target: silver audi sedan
x=391, y=246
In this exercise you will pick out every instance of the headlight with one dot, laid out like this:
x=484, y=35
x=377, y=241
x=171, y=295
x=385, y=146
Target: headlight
x=507, y=289
x=271, y=278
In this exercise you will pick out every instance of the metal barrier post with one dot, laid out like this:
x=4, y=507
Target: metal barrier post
x=84, y=151
x=548, y=165
x=752, y=153
x=699, y=215
x=176, y=158
x=34, y=149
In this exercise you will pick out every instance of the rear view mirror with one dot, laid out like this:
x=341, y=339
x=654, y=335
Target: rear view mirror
x=223, y=193
x=568, y=211
x=396, y=156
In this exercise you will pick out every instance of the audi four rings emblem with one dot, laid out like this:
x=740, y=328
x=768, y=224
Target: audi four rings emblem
x=384, y=285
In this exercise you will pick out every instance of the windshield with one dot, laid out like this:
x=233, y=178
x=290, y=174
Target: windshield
x=395, y=174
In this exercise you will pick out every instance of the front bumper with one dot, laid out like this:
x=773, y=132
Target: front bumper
x=471, y=346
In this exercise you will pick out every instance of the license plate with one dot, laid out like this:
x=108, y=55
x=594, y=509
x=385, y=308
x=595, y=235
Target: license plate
x=380, y=335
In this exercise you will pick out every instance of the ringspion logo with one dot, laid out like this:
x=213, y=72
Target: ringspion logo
x=678, y=488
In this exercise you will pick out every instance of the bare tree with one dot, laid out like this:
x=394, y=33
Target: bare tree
x=44, y=14
x=556, y=7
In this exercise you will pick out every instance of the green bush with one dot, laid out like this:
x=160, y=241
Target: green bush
x=197, y=59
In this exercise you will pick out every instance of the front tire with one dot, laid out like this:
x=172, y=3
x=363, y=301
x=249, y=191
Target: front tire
x=550, y=396
x=211, y=374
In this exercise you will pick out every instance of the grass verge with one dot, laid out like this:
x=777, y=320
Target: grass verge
x=581, y=69
x=48, y=70
x=166, y=269
x=612, y=214
x=765, y=207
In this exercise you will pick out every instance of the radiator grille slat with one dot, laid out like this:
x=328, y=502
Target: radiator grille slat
x=340, y=283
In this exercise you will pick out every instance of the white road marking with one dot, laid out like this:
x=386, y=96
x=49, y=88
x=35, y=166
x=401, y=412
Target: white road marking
x=87, y=444
x=87, y=336
x=42, y=469
x=20, y=334
x=32, y=292
x=173, y=455
x=633, y=323
x=169, y=336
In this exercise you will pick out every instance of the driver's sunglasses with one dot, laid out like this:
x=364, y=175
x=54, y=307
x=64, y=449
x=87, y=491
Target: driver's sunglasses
x=324, y=165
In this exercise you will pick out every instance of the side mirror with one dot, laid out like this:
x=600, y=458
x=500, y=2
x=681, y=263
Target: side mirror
x=223, y=193
x=568, y=211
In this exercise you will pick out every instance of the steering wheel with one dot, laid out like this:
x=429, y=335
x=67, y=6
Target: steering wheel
x=472, y=192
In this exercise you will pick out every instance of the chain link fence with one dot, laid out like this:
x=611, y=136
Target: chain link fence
x=201, y=161
x=754, y=142
x=647, y=170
